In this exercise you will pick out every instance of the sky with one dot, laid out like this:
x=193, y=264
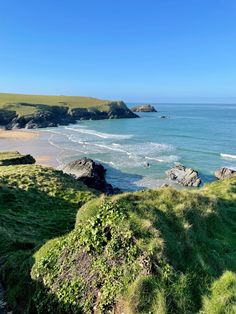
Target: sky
x=149, y=50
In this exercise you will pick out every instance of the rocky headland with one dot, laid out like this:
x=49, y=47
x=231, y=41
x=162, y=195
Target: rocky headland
x=31, y=111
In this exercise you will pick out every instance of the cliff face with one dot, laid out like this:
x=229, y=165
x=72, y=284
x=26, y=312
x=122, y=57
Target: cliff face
x=42, y=116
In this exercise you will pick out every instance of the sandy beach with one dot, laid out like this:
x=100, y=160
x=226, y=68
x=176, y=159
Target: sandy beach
x=18, y=135
x=30, y=142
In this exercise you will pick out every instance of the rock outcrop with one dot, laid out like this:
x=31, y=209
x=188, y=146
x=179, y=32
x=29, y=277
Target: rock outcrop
x=15, y=158
x=224, y=172
x=90, y=173
x=52, y=116
x=184, y=176
x=144, y=108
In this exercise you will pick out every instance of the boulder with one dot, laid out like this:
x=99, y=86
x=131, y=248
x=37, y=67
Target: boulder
x=224, y=173
x=15, y=158
x=184, y=176
x=90, y=173
x=144, y=108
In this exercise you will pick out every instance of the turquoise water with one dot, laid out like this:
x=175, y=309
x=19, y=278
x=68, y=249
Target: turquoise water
x=194, y=135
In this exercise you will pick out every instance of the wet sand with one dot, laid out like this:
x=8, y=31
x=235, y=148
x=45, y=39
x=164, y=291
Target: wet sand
x=30, y=142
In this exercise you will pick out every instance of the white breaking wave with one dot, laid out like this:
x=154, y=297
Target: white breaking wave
x=125, y=155
x=52, y=143
x=167, y=159
x=228, y=156
x=100, y=134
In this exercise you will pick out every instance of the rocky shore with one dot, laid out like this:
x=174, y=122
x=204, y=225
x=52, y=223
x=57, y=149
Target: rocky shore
x=91, y=174
x=42, y=116
x=184, y=176
x=190, y=178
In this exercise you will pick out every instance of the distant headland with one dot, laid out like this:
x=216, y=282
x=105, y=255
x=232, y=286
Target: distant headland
x=40, y=111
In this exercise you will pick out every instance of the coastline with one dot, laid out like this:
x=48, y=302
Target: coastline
x=30, y=142
x=38, y=144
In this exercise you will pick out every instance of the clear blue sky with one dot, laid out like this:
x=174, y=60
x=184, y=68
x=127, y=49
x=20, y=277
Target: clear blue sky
x=152, y=50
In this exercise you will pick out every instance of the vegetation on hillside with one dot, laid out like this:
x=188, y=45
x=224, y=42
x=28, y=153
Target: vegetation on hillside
x=36, y=204
x=158, y=251
x=40, y=111
x=10, y=101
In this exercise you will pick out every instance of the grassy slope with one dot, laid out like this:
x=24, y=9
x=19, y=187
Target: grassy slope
x=9, y=155
x=162, y=251
x=9, y=101
x=36, y=204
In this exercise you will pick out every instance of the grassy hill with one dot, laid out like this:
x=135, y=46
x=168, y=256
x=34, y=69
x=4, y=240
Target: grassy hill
x=158, y=251
x=33, y=111
x=162, y=251
x=36, y=204
x=16, y=101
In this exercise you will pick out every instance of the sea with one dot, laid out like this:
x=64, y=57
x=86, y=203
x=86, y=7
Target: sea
x=138, y=152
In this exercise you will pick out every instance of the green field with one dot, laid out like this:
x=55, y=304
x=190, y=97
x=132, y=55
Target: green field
x=71, y=101
x=20, y=102
x=65, y=249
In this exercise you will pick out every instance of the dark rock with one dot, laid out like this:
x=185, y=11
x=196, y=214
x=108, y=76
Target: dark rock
x=90, y=173
x=52, y=116
x=15, y=158
x=184, y=176
x=144, y=108
x=117, y=110
x=6, y=116
x=224, y=173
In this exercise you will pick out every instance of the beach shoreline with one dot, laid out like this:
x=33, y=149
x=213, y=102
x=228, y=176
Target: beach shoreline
x=30, y=142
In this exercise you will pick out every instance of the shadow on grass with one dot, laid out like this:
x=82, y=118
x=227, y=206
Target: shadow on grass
x=27, y=220
x=197, y=231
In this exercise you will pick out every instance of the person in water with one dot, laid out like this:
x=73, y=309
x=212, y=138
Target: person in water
x=147, y=165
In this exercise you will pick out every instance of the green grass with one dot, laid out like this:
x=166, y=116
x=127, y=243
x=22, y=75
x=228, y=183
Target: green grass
x=158, y=251
x=65, y=249
x=11, y=102
x=9, y=155
x=222, y=297
x=36, y=204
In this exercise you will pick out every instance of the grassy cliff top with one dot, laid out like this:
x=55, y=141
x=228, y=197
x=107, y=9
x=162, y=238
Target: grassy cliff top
x=159, y=251
x=20, y=102
x=71, y=101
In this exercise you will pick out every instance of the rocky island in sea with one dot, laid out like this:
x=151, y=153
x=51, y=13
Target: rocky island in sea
x=144, y=108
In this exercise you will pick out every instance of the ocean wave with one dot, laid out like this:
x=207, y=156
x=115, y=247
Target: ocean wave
x=164, y=159
x=52, y=143
x=100, y=134
x=228, y=156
